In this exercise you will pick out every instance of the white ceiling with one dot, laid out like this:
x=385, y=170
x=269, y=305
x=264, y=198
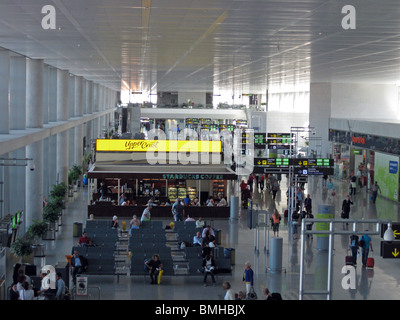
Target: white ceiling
x=245, y=46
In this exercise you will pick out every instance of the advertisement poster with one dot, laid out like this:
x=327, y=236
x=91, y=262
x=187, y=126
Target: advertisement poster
x=387, y=174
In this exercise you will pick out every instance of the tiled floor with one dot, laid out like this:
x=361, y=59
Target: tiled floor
x=380, y=284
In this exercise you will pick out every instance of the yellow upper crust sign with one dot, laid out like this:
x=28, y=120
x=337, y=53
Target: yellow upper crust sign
x=120, y=145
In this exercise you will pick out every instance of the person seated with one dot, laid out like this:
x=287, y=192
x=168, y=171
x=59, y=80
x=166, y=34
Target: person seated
x=206, y=250
x=210, y=202
x=207, y=230
x=209, y=268
x=196, y=202
x=122, y=200
x=135, y=222
x=211, y=240
x=199, y=223
x=189, y=218
x=168, y=203
x=78, y=265
x=114, y=222
x=84, y=240
x=222, y=202
x=197, y=240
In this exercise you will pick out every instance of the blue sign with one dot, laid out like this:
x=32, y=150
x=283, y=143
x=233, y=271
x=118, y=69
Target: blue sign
x=393, y=167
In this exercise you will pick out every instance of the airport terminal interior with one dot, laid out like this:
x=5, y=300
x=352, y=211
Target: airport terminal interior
x=111, y=109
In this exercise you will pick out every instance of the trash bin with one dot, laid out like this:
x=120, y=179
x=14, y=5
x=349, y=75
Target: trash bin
x=229, y=253
x=77, y=229
x=217, y=233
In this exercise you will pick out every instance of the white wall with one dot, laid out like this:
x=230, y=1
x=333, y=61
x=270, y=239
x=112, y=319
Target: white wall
x=364, y=101
x=196, y=97
x=281, y=122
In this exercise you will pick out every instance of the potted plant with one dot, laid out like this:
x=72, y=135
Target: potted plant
x=35, y=232
x=51, y=213
x=22, y=248
x=74, y=175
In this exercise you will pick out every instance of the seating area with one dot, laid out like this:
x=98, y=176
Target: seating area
x=195, y=260
x=146, y=241
x=100, y=257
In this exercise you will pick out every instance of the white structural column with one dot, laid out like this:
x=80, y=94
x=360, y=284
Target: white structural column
x=71, y=132
x=79, y=107
x=34, y=119
x=52, y=94
x=16, y=183
x=320, y=112
x=52, y=143
x=62, y=115
x=4, y=90
x=46, y=94
x=18, y=93
x=96, y=97
x=89, y=110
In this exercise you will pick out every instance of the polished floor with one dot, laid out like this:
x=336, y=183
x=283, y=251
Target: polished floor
x=382, y=283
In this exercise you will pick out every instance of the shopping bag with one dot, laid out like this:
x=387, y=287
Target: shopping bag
x=160, y=274
x=252, y=295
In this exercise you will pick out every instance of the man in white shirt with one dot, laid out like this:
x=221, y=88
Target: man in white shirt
x=222, y=202
x=146, y=213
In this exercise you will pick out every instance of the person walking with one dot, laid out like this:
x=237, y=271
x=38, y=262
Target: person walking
x=346, y=208
x=276, y=219
x=375, y=189
x=354, y=245
x=366, y=245
x=248, y=277
x=308, y=203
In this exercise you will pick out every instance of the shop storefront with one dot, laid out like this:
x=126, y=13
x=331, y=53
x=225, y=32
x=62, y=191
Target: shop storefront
x=122, y=166
x=375, y=158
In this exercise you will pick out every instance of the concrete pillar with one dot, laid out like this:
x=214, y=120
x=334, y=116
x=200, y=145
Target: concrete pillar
x=34, y=93
x=62, y=95
x=4, y=90
x=72, y=96
x=34, y=119
x=89, y=97
x=18, y=93
x=17, y=183
x=52, y=94
x=62, y=115
x=46, y=94
x=52, y=173
x=78, y=144
x=34, y=184
x=71, y=146
x=320, y=112
x=46, y=155
x=95, y=97
x=79, y=98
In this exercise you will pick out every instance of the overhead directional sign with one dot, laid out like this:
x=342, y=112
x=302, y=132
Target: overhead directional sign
x=279, y=140
x=271, y=162
x=390, y=250
x=260, y=141
x=302, y=166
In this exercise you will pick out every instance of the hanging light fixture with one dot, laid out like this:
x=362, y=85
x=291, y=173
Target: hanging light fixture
x=388, y=236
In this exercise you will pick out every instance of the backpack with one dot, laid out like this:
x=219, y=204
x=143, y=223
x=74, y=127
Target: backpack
x=276, y=296
x=354, y=241
x=362, y=242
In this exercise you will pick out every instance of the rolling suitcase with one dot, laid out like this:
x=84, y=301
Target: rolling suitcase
x=370, y=262
x=348, y=259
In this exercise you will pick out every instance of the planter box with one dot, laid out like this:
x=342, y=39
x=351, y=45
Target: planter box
x=49, y=235
x=27, y=259
x=38, y=250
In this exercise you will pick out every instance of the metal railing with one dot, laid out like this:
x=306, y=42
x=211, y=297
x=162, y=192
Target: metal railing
x=331, y=232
